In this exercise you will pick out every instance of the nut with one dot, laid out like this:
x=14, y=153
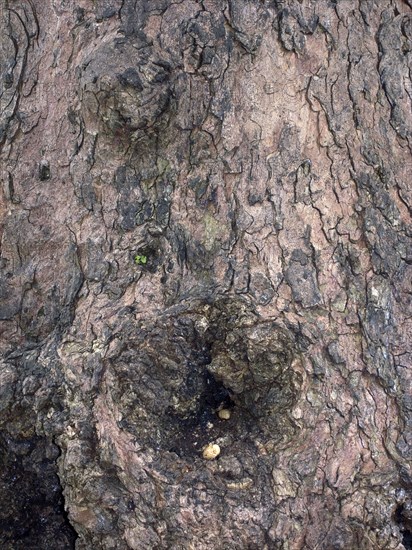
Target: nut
x=224, y=414
x=211, y=451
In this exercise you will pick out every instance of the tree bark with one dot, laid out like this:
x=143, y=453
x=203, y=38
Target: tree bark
x=206, y=208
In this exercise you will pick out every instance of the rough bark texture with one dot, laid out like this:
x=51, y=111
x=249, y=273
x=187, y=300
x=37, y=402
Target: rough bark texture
x=205, y=204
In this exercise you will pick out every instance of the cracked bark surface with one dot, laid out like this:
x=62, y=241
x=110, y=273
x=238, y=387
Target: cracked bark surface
x=206, y=205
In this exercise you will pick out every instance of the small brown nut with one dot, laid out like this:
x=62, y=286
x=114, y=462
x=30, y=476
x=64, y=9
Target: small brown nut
x=224, y=414
x=211, y=451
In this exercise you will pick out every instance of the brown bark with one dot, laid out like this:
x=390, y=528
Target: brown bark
x=206, y=206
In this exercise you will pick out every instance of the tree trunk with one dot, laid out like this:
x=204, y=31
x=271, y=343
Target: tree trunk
x=206, y=274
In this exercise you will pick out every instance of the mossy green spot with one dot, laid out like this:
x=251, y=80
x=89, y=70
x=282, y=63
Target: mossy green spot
x=140, y=259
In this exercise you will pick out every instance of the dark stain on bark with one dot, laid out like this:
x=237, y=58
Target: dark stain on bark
x=34, y=516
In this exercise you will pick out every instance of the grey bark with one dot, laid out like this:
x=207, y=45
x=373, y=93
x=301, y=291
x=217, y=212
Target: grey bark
x=205, y=206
